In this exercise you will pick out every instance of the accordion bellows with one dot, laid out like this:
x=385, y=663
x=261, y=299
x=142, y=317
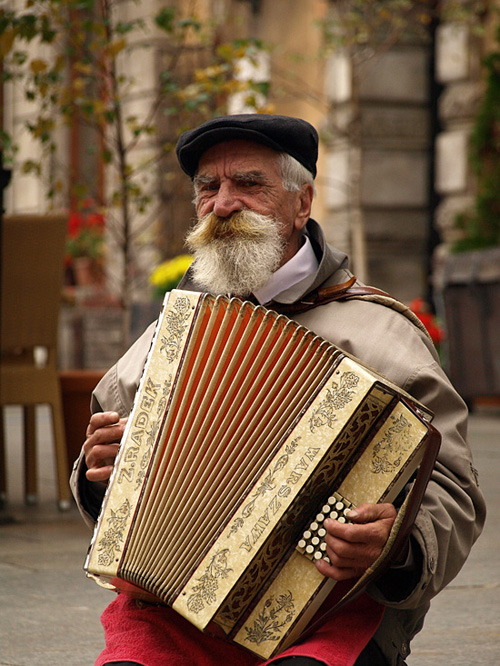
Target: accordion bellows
x=244, y=425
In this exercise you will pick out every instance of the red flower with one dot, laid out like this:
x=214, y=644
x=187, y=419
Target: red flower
x=423, y=312
x=95, y=220
x=85, y=231
x=74, y=223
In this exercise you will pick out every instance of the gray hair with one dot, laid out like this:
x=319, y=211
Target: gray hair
x=293, y=174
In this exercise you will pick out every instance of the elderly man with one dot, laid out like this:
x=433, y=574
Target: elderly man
x=253, y=178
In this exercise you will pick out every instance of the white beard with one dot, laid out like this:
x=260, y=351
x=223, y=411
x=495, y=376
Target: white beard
x=235, y=255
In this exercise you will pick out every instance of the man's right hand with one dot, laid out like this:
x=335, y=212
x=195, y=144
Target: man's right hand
x=104, y=433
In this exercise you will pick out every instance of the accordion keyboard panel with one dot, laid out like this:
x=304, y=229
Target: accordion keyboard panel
x=312, y=543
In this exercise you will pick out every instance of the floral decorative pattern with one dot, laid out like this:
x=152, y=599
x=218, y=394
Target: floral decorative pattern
x=389, y=452
x=109, y=543
x=275, y=615
x=172, y=343
x=205, y=591
x=337, y=397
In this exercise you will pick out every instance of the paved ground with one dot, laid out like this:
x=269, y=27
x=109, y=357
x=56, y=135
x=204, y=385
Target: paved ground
x=49, y=611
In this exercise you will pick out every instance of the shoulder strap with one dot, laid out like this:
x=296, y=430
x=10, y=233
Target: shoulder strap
x=346, y=291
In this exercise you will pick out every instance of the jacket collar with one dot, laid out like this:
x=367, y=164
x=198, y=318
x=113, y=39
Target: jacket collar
x=330, y=260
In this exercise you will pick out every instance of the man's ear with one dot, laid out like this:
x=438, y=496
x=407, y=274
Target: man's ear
x=304, y=206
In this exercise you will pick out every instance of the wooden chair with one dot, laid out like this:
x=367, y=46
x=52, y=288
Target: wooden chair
x=32, y=267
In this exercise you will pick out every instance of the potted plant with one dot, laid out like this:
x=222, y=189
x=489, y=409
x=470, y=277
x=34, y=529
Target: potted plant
x=86, y=244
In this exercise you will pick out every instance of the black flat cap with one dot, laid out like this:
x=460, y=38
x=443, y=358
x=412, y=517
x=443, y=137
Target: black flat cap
x=281, y=133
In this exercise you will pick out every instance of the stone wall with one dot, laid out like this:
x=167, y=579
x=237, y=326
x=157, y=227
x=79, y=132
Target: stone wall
x=379, y=165
x=458, y=56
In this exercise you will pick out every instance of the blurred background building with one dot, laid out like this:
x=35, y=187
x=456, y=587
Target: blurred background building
x=96, y=93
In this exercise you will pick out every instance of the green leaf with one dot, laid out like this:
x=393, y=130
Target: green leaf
x=189, y=22
x=32, y=167
x=27, y=27
x=165, y=19
x=122, y=27
x=47, y=32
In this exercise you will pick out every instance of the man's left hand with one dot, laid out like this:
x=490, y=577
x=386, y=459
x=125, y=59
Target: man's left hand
x=353, y=547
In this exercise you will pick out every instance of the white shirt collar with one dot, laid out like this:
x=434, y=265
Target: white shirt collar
x=300, y=266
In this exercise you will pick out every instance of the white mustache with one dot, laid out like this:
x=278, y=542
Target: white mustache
x=245, y=224
x=235, y=255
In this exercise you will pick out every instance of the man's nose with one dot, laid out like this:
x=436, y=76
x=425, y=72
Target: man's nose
x=227, y=200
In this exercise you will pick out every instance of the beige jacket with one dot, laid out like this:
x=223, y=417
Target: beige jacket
x=453, y=511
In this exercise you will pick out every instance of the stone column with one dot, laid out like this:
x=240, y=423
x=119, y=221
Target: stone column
x=458, y=70
x=379, y=152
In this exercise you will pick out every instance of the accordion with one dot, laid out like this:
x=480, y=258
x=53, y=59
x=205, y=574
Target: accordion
x=246, y=432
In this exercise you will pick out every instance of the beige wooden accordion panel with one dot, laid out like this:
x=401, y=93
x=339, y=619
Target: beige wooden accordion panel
x=243, y=422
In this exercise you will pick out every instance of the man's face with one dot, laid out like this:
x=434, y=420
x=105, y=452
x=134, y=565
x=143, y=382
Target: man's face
x=242, y=175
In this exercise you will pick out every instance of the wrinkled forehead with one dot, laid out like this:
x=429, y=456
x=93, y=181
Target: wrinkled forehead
x=238, y=156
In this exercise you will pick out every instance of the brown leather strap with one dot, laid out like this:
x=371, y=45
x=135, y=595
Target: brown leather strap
x=335, y=290
x=324, y=295
x=345, y=291
x=348, y=288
